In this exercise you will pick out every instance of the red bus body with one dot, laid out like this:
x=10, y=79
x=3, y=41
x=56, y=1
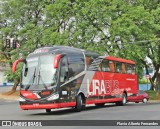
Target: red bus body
x=103, y=80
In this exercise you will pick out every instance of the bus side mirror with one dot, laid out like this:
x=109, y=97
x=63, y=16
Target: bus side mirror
x=57, y=59
x=14, y=66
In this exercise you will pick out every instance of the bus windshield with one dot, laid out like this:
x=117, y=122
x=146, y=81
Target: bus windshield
x=38, y=73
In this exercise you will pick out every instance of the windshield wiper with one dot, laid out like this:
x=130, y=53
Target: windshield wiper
x=31, y=81
x=40, y=77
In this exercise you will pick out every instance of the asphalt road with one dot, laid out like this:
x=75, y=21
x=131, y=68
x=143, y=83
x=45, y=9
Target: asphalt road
x=9, y=110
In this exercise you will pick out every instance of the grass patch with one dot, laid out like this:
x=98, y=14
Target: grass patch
x=153, y=95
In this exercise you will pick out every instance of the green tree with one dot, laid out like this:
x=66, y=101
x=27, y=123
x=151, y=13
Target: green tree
x=139, y=23
x=127, y=28
x=23, y=21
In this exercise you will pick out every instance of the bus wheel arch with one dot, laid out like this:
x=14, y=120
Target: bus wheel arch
x=80, y=102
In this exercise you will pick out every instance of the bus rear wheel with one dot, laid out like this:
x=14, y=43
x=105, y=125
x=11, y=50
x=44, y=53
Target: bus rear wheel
x=124, y=100
x=80, y=104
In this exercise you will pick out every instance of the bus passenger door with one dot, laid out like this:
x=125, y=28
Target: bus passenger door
x=63, y=77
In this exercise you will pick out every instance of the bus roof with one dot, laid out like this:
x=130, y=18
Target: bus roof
x=119, y=59
x=61, y=49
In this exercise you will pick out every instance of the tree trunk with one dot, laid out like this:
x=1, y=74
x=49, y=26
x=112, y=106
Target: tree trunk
x=13, y=89
x=147, y=73
x=15, y=86
x=150, y=79
x=157, y=66
x=152, y=84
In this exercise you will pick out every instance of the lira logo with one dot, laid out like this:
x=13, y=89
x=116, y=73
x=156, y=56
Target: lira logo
x=102, y=87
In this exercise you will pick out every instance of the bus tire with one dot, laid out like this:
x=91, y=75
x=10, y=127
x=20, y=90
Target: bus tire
x=79, y=103
x=124, y=100
x=48, y=110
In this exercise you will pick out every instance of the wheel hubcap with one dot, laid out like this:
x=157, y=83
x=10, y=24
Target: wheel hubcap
x=145, y=100
x=124, y=100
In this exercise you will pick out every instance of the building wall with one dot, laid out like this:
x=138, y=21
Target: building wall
x=3, y=80
x=2, y=76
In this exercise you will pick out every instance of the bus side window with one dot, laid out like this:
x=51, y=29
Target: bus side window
x=111, y=66
x=118, y=67
x=76, y=64
x=128, y=69
x=123, y=68
x=105, y=66
x=131, y=69
x=64, y=70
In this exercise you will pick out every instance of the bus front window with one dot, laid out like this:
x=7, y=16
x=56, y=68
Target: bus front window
x=29, y=71
x=47, y=73
x=38, y=73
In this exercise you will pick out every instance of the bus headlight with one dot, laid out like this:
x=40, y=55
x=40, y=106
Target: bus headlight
x=21, y=99
x=53, y=97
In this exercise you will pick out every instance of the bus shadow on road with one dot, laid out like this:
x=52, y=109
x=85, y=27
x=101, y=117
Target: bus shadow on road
x=64, y=111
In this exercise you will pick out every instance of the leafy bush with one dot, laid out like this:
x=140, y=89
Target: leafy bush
x=143, y=81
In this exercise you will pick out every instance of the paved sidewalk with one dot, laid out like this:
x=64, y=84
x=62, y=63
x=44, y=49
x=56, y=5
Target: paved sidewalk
x=9, y=97
x=7, y=88
x=4, y=89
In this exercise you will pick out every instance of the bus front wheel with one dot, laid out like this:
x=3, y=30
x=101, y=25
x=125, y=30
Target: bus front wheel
x=79, y=103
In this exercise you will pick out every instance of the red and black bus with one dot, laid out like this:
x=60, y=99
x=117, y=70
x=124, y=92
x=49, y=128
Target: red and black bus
x=61, y=76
